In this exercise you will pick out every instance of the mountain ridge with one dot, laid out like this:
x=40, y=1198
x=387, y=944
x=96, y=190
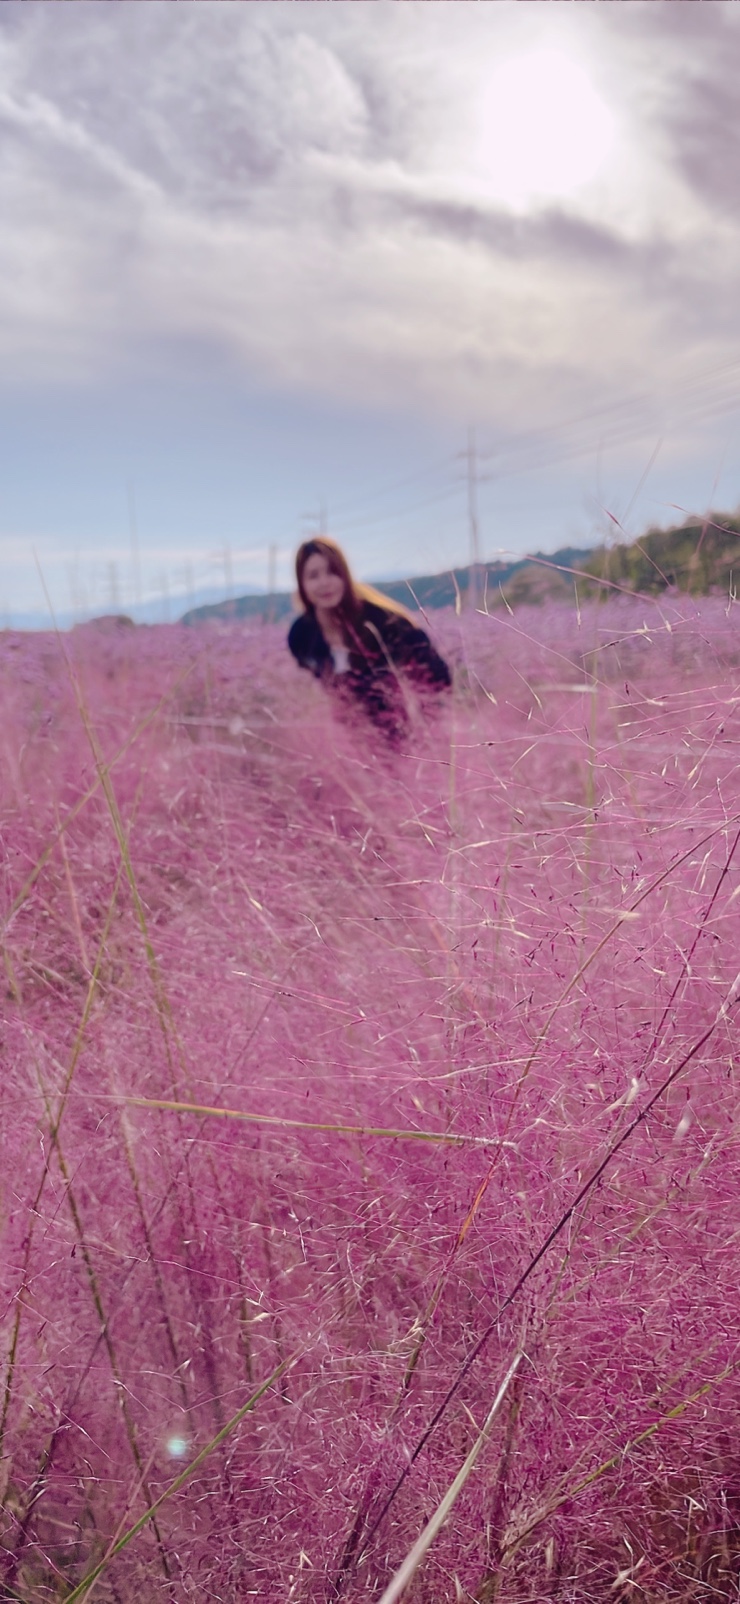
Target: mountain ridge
x=695, y=558
x=422, y=590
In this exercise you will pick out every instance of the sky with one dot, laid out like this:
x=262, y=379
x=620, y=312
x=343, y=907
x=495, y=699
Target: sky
x=272, y=265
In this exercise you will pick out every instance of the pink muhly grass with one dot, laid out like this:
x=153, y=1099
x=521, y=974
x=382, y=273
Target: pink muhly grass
x=334, y=1080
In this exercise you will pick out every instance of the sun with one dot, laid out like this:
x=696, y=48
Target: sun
x=544, y=129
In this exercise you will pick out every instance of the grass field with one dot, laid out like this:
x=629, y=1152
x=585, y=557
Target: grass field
x=371, y=1118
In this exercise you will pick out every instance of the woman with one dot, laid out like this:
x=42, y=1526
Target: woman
x=360, y=644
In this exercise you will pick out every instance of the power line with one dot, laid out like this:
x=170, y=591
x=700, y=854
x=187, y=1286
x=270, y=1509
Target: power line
x=396, y=484
x=400, y=512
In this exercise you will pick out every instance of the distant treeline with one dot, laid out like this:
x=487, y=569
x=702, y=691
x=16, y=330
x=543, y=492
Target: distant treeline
x=695, y=557
x=424, y=590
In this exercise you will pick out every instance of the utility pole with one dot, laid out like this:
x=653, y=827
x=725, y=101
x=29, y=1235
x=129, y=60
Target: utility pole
x=471, y=456
x=318, y=519
x=272, y=553
x=74, y=588
x=134, y=537
x=113, y=587
x=473, y=526
x=228, y=574
x=188, y=585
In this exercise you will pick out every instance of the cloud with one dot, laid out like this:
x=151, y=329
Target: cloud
x=706, y=131
x=297, y=188
x=690, y=56
x=207, y=105
x=547, y=234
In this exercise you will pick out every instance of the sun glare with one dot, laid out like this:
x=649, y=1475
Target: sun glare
x=545, y=131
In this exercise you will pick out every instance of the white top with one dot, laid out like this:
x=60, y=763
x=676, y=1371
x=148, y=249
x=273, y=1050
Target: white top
x=340, y=655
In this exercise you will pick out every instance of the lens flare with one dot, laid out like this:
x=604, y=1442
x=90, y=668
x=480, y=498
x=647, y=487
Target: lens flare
x=177, y=1447
x=544, y=129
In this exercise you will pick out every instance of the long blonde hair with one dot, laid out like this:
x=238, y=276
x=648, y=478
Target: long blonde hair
x=350, y=609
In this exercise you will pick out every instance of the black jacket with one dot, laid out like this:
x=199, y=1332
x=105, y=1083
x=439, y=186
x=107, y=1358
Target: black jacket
x=387, y=646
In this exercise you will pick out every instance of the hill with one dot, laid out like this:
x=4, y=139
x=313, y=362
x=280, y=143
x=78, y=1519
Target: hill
x=428, y=590
x=696, y=557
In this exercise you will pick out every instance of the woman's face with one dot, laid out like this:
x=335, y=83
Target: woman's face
x=323, y=587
